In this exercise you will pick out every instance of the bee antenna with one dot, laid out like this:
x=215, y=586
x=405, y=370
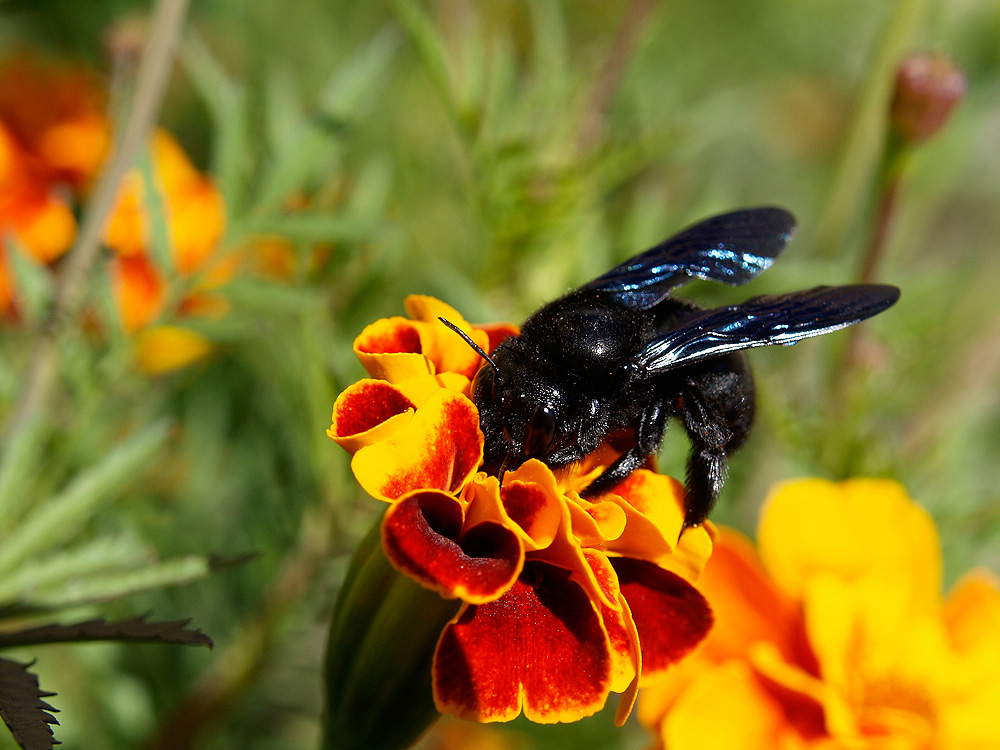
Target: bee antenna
x=478, y=349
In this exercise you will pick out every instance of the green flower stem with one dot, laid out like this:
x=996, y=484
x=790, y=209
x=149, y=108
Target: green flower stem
x=378, y=665
x=896, y=155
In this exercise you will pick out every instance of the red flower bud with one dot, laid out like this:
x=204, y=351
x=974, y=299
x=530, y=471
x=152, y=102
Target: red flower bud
x=928, y=87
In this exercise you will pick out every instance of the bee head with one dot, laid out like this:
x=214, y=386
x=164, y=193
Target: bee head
x=520, y=412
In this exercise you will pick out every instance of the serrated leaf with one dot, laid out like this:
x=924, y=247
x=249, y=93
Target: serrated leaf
x=132, y=629
x=56, y=519
x=24, y=712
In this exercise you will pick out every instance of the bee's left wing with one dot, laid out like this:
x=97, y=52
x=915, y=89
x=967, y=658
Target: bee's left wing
x=763, y=321
x=730, y=248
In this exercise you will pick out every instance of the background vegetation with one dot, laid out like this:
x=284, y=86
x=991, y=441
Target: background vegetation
x=493, y=155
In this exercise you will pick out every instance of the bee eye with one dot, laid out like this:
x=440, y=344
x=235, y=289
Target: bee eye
x=484, y=385
x=541, y=432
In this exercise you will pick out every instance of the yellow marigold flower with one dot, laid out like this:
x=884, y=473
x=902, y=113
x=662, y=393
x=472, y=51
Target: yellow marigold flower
x=563, y=600
x=833, y=634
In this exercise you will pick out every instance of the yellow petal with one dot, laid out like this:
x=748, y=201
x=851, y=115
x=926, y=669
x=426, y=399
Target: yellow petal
x=168, y=348
x=440, y=344
x=858, y=528
x=724, y=708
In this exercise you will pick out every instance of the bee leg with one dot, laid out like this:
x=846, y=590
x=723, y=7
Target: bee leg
x=649, y=435
x=710, y=435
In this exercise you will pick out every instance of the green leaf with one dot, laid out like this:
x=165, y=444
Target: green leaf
x=315, y=227
x=349, y=89
x=98, y=556
x=101, y=588
x=21, y=458
x=33, y=280
x=58, y=518
x=229, y=108
x=431, y=47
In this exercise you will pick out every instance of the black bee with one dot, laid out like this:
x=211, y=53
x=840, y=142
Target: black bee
x=616, y=358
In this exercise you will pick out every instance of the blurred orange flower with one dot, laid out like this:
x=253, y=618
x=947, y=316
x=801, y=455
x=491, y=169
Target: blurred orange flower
x=56, y=113
x=564, y=599
x=53, y=137
x=195, y=217
x=833, y=634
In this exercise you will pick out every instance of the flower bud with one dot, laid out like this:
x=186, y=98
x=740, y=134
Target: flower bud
x=927, y=89
x=379, y=655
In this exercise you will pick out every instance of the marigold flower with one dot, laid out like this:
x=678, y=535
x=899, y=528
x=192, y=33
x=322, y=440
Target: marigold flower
x=563, y=599
x=195, y=218
x=56, y=112
x=833, y=634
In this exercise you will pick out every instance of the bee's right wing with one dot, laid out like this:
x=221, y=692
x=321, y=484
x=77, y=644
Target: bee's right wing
x=763, y=321
x=731, y=248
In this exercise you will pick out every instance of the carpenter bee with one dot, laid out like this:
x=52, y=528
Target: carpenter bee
x=618, y=357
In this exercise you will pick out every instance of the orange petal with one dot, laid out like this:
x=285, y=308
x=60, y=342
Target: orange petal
x=139, y=291
x=654, y=511
x=440, y=344
x=8, y=305
x=390, y=349
x=540, y=647
x=423, y=537
x=196, y=219
x=367, y=412
x=497, y=333
x=531, y=510
x=858, y=528
x=440, y=448
x=44, y=225
x=972, y=612
x=565, y=552
x=622, y=634
x=168, y=348
x=127, y=229
x=748, y=606
x=671, y=616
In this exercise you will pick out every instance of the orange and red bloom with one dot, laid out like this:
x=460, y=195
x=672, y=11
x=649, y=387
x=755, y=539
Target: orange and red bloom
x=833, y=635
x=54, y=137
x=564, y=600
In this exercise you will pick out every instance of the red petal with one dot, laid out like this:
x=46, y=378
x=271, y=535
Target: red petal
x=421, y=536
x=365, y=405
x=389, y=336
x=438, y=449
x=541, y=646
x=672, y=617
x=498, y=333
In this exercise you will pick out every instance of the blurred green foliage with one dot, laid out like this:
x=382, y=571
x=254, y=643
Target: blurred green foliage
x=493, y=155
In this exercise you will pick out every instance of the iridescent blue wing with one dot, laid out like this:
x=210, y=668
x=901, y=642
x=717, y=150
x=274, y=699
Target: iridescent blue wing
x=731, y=249
x=763, y=321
